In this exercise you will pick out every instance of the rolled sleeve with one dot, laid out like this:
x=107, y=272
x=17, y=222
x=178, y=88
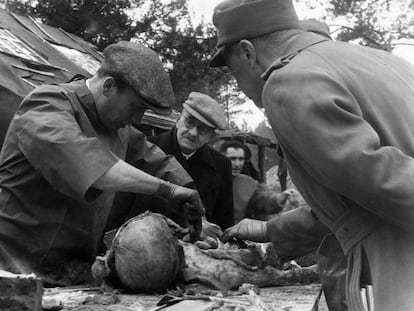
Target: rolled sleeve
x=295, y=233
x=53, y=143
x=151, y=159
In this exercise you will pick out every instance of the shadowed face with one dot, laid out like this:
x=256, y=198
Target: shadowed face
x=244, y=69
x=237, y=158
x=119, y=107
x=192, y=134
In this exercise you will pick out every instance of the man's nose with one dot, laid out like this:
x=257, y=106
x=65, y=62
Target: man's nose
x=238, y=163
x=193, y=131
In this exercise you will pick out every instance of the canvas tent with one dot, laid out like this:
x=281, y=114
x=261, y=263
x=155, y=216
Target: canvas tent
x=31, y=54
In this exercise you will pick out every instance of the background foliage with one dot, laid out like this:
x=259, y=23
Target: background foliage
x=185, y=48
x=374, y=23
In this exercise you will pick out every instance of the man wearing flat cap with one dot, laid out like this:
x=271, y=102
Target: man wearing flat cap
x=344, y=118
x=69, y=149
x=210, y=170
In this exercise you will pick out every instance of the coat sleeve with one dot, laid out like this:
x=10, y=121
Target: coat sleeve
x=319, y=121
x=295, y=233
x=53, y=143
x=223, y=208
x=151, y=159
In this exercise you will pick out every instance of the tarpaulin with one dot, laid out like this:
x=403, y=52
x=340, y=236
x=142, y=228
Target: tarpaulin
x=19, y=75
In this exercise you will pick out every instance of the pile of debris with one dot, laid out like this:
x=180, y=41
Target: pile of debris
x=149, y=254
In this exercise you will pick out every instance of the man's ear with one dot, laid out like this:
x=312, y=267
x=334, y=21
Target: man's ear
x=248, y=51
x=108, y=85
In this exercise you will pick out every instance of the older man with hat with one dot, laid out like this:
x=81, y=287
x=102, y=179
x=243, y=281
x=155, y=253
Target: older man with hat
x=210, y=170
x=68, y=150
x=343, y=115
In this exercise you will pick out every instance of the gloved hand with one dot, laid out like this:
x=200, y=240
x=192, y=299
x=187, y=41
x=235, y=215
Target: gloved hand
x=247, y=229
x=210, y=229
x=193, y=218
x=193, y=207
x=174, y=192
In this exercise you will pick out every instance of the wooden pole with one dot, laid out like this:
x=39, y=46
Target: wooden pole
x=261, y=160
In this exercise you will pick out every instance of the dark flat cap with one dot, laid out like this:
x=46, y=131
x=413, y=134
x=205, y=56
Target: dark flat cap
x=205, y=109
x=141, y=68
x=244, y=19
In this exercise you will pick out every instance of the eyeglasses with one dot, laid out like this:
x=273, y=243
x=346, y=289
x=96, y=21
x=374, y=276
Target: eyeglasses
x=191, y=123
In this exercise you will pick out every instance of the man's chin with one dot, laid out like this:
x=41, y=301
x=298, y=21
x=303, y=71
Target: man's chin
x=188, y=147
x=258, y=103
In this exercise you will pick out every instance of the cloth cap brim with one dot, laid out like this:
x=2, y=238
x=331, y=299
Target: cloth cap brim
x=218, y=59
x=154, y=105
x=198, y=116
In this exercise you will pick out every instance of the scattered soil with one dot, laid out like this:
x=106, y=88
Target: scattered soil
x=281, y=298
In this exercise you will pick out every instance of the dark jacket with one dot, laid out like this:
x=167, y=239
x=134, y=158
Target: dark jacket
x=211, y=172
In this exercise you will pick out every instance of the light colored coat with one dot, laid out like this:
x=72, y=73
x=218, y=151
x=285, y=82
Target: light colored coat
x=344, y=117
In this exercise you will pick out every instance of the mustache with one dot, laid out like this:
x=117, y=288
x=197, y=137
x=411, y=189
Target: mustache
x=191, y=138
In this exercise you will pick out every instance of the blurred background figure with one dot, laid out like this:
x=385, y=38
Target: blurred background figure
x=248, y=167
x=253, y=199
x=243, y=185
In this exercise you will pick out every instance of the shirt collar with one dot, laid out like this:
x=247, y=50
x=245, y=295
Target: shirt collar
x=187, y=156
x=292, y=49
x=203, y=154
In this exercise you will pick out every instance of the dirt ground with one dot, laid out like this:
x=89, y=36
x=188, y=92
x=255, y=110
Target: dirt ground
x=292, y=298
x=284, y=298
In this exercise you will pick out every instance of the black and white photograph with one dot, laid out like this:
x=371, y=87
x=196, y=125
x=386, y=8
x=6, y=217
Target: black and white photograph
x=206, y=155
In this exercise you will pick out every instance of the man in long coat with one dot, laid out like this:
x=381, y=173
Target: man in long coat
x=68, y=150
x=344, y=118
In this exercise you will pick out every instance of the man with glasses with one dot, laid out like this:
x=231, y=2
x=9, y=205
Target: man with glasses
x=68, y=150
x=210, y=170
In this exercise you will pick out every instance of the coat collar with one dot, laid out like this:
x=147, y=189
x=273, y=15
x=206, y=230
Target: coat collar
x=292, y=49
x=204, y=155
x=85, y=97
x=81, y=90
x=87, y=103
